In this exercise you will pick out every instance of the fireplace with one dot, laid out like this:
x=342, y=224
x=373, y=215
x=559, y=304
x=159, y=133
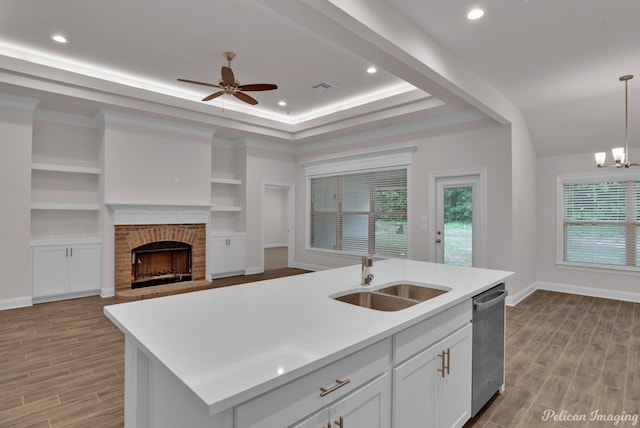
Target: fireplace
x=153, y=254
x=162, y=262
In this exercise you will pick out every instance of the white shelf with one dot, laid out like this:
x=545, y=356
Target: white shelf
x=225, y=180
x=65, y=168
x=64, y=207
x=225, y=208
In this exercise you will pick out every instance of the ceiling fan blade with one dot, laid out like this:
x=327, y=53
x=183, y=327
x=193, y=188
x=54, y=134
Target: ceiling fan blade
x=227, y=76
x=246, y=98
x=212, y=96
x=198, y=83
x=258, y=87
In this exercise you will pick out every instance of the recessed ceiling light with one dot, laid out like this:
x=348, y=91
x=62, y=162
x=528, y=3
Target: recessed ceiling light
x=59, y=38
x=476, y=13
x=371, y=70
x=282, y=103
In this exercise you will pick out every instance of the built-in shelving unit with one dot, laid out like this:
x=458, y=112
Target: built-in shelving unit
x=65, y=177
x=226, y=240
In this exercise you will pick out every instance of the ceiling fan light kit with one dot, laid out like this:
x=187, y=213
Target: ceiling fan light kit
x=620, y=154
x=230, y=86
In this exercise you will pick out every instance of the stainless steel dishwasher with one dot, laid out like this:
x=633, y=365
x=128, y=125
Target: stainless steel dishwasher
x=488, y=346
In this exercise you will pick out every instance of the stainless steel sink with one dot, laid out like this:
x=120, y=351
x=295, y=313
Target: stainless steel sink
x=413, y=292
x=378, y=301
x=392, y=298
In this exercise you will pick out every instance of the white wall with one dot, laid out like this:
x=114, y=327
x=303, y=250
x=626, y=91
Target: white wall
x=15, y=194
x=275, y=217
x=481, y=144
x=144, y=164
x=547, y=271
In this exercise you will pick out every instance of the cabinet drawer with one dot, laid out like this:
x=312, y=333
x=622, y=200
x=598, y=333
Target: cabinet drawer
x=422, y=335
x=301, y=397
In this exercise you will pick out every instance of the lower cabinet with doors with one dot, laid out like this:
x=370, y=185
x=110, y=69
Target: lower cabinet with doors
x=65, y=268
x=433, y=387
x=227, y=254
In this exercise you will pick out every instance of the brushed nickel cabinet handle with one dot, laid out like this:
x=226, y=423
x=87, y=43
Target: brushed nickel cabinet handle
x=443, y=367
x=339, y=384
x=448, y=360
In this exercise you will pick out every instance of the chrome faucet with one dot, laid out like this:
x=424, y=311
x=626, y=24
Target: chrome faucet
x=367, y=276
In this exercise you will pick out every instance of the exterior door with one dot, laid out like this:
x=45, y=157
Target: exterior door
x=457, y=238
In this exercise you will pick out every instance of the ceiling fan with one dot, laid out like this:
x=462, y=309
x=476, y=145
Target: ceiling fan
x=231, y=86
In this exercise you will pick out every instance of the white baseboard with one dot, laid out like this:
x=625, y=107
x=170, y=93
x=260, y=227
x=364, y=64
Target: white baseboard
x=18, y=302
x=107, y=292
x=572, y=289
x=514, y=299
x=307, y=266
x=253, y=270
x=276, y=245
x=589, y=291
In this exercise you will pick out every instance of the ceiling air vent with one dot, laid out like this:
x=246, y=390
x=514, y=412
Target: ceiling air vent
x=322, y=87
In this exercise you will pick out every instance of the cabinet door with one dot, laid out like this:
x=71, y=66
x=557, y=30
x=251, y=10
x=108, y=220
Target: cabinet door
x=227, y=254
x=50, y=267
x=236, y=254
x=428, y=396
x=84, y=272
x=415, y=382
x=454, y=392
x=367, y=407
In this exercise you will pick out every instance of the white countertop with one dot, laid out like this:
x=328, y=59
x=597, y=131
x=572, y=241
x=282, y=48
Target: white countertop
x=230, y=344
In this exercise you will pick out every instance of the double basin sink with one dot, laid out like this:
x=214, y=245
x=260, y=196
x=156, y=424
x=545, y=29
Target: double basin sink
x=393, y=297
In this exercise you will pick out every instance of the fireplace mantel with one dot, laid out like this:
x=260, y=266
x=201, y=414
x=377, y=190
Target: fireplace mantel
x=131, y=214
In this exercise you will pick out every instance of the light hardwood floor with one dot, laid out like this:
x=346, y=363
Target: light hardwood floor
x=61, y=363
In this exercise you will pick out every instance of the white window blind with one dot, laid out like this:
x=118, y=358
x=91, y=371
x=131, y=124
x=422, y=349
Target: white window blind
x=360, y=212
x=601, y=223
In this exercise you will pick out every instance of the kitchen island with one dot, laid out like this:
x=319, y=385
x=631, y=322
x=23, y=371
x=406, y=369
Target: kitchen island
x=284, y=352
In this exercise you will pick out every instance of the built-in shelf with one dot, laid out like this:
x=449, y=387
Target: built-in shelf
x=225, y=180
x=65, y=168
x=64, y=207
x=225, y=208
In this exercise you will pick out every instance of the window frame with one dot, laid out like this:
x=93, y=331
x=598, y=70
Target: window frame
x=389, y=159
x=560, y=248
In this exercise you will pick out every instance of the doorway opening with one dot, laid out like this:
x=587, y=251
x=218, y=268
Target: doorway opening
x=458, y=210
x=277, y=228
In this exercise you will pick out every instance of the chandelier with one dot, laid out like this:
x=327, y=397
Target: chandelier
x=620, y=154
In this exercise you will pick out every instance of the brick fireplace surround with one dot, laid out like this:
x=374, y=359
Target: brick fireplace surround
x=128, y=237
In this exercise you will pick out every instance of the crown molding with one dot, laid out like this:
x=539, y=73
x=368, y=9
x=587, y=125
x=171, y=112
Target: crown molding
x=16, y=101
x=112, y=116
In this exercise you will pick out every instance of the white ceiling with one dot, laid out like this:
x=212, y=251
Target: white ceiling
x=556, y=61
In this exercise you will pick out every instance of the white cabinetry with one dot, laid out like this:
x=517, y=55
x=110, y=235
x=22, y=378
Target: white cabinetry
x=356, y=388
x=65, y=177
x=367, y=407
x=227, y=254
x=433, y=389
x=64, y=269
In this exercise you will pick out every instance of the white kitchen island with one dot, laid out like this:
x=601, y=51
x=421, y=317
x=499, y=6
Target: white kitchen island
x=283, y=352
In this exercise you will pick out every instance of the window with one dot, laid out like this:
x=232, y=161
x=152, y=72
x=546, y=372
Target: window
x=360, y=212
x=601, y=223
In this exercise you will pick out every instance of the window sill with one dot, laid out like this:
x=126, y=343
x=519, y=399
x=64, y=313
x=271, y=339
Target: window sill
x=617, y=270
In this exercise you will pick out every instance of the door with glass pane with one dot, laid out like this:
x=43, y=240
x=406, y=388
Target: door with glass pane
x=456, y=220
